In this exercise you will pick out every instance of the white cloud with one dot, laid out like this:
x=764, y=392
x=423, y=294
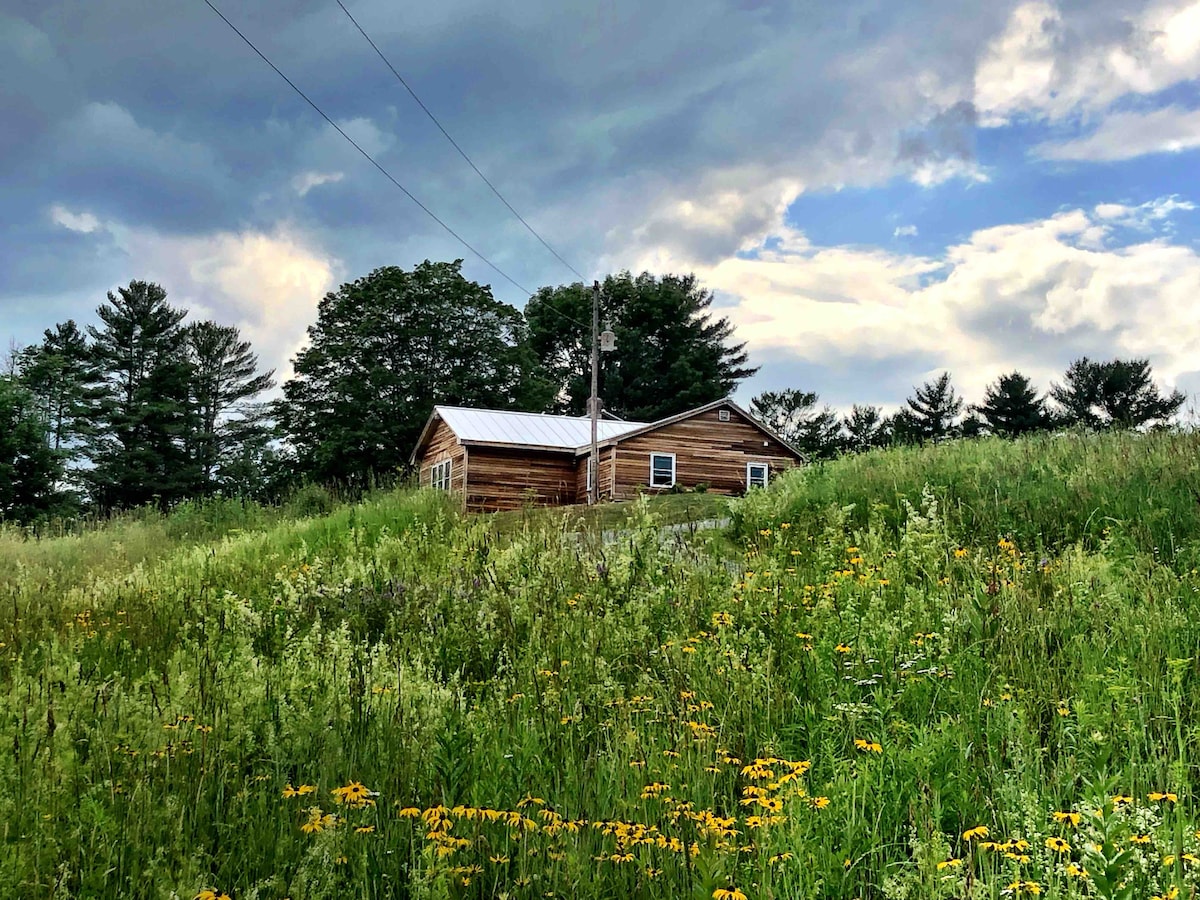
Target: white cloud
x=905, y=231
x=935, y=172
x=1125, y=135
x=306, y=181
x=1031, y=296
x=268, y=284
x=1051, y=65
x=84, y=222
x=1144, y=216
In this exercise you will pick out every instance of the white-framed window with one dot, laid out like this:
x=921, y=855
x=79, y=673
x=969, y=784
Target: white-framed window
x=662, y=470
x=439, y=475
x=757, y=474
x=588, y=479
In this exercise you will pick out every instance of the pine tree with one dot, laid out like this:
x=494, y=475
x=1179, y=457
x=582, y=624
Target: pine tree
x=30, y=471
x=66, y=383
x=1011, y=407
x=934, y=408
x=224, y=378
x=793, y=415
x=145, y=418
x=865, y=428
x=672, y=354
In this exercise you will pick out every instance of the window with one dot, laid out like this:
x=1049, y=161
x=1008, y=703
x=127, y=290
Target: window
x=662, y=470
x=757, y=474
x=439, y=476
x=722, y=415
x=588, y=487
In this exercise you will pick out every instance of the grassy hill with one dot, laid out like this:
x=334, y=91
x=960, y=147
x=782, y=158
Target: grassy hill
x=963, y=671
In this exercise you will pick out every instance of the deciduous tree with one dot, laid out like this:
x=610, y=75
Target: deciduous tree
x=1114, y=394
x=388, y=347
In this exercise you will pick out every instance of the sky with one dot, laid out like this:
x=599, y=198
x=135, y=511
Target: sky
x=874, y=192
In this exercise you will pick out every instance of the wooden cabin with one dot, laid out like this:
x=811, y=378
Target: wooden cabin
x=496, y=459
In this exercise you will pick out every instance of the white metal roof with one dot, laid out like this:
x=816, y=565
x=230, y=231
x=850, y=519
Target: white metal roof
x=490, y=426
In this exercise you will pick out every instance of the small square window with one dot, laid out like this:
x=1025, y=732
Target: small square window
x=722, y=415
x=757, y=475
x=662, y=470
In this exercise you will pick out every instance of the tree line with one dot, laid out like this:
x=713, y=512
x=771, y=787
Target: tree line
x=1098, y=395
x=147, y=408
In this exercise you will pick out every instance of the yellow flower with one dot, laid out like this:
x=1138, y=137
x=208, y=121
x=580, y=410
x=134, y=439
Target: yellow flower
x=1067, y=817
x=1058, y=845
x=409, y=812
x=1169, y=894
x=289, y=791
x=728, y=894
x=819, y=802
x=1075, y=871
x=949, y=864
x=844, y=648
x=1140, y=839
x=868, y=746
x=355, y=794
x=1121, y=799
x=722, y=620
x=961, y=552
x=1024, y=887
x=1158, y=796
x=979, y=831
x=365, y=829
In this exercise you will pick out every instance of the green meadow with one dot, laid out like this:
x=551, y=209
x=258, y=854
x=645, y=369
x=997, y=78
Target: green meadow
x=963, y=671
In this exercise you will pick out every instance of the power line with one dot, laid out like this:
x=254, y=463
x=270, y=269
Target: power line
x=386, y=174
x=454, y=143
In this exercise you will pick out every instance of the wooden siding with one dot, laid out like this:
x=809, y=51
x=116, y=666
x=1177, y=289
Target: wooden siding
x=606, y=475
x=443, y=444
x=707, y=451
x=511, y=479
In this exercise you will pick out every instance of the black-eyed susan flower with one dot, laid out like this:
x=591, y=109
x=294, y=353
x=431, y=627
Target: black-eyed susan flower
x=868, y=746
x=979, y=831
x=728, y=894
x=289, y=791
x=843, y=648
x=212, y=894
x=1160, y=796
x=1067, y=818
x=952, y=863
x=355, y=794
x=1140, y=839
x=1017, y=888
x=1058, y=845
x=1121, y=800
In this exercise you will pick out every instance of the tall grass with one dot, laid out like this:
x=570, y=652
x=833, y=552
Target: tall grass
x=397, y=701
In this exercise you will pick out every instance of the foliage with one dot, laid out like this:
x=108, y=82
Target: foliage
x=139, y=453
x=1114, y=394
x=865, y=428
x=29, y=469
x=384, y=350
x=932, y=410
x=672, y=355
x=903, y=699
x=1011, y=406
x=224, y=379
x=792, y=414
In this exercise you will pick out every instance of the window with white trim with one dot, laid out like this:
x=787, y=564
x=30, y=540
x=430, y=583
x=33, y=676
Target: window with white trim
x=439, y=475
x=588, y=486
x=662, y=470
x=757, y=474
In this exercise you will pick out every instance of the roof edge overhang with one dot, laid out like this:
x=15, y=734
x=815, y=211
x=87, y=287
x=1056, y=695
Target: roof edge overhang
x=430, y=424
x=504, y=445
x=688, y=414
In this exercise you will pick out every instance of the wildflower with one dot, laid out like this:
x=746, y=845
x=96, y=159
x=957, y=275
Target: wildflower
x=722, y=620
x=1169, y=894
x=780, y=857
x=355, y=795
x=1158, y=796
x=1058, y=845
x=340, y=860
x=1140, y=839
x=289, y=791
x=498, y=860
x=409, y=812
x=728, y=894
x=1024, y=887
x=961, y=552
x=365, y=829
x=844, y=648
x=1067, y=817
x=953, y=863
x=819, y=802
x=979, y=831
x=868, y=746
x=1121, y=800
x=212, y=894
x=1075, y=871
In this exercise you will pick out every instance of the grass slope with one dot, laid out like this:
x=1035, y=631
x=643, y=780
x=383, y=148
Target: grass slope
x=964, y=671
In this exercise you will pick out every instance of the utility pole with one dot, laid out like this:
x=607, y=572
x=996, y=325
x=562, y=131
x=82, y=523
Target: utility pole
x=594, y=400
